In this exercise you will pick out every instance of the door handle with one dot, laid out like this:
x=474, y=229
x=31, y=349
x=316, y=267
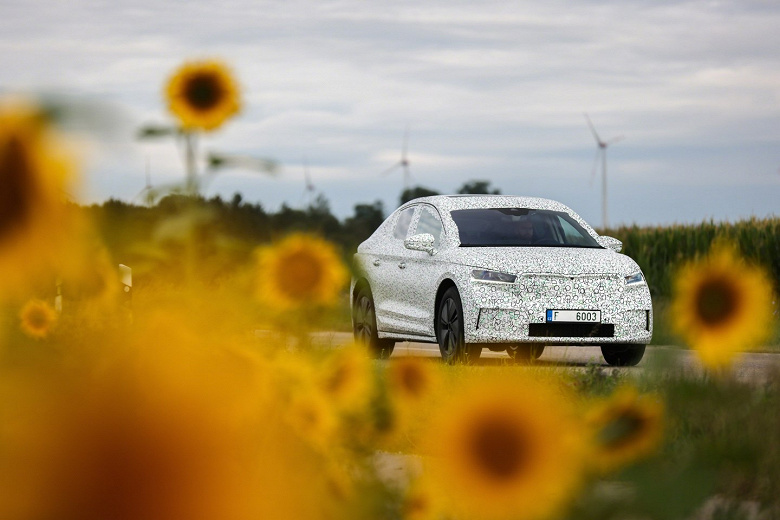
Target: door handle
x=402, y=265
x=377, y=262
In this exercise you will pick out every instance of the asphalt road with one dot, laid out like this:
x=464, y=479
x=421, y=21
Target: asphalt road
x=751, y=366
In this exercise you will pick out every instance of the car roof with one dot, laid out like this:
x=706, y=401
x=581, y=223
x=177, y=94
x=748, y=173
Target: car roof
x=455, y=202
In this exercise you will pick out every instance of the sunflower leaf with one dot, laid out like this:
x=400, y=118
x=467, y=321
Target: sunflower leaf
x=154, y=131
x=217, y=160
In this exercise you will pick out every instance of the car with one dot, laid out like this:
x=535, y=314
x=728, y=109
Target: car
x=506, y=273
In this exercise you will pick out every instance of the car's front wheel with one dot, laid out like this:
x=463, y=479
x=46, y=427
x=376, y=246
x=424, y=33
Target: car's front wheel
x=449, y=330
x=364, y=326
x=623, y=354
x=524, y=353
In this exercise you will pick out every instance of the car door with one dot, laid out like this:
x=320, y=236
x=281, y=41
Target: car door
x=386, y=274
x=422, y=273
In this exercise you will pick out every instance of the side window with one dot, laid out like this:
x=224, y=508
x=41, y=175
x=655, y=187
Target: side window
x=402, y=223
x=429, y=222
x=572, y=236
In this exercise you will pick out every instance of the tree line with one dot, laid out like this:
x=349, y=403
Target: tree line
x=134, y=234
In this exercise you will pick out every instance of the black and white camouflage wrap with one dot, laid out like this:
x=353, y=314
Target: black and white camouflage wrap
x=405, y=282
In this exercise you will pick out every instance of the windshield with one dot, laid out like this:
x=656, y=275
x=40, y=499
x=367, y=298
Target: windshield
x=520, y=227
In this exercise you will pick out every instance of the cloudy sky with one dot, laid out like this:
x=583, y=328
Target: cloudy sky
x=490, y=90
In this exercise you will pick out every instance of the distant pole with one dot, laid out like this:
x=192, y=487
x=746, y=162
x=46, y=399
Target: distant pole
x=604, y=222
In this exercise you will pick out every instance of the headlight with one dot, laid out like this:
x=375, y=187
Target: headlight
x=492, y=276
x=635, y=278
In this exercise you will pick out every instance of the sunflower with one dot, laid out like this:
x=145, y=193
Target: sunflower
x=419, y=503
x=203, y=95
x=313, y=418
x=33, y=219
x=151, y=437
x=721, y=306
x=410, y=387
x=346, y=378
x=411, y=379
x=37, y=319
x=505, y=448
x=626, y=427
x=300, y=271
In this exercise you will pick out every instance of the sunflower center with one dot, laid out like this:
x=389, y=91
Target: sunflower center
x=338, y=380
x=498, y=448
x=716, y=301
x=304, y=273
x=15, y=176
x=203, y=91
x=37, y=318
x=412, y=381
x=622, y=430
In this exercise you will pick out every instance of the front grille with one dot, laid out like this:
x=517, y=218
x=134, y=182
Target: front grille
x=571, y=330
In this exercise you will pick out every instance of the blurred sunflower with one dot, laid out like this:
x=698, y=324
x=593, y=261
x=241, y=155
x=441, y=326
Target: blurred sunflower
x=37, y=318
x=203, y=95
x=411, y=379
x=410, y=387
x=313, y=418
x=33, y=218
x=626, y=427
x=347, y=378
x=150, y=437
x=419, y=503
x=302, y=270
x=721, y=306
x=506, y=448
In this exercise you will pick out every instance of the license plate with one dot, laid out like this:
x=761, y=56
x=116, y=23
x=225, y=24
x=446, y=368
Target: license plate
x=574, y=316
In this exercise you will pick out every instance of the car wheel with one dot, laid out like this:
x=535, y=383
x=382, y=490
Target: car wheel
x=524, y=353
x=623, y=354
x=449, y=330
x=364, y=326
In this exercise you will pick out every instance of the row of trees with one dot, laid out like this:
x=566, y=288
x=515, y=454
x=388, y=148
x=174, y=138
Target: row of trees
x=243, y=224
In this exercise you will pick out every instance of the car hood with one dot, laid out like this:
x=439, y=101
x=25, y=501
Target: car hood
x=548, y=260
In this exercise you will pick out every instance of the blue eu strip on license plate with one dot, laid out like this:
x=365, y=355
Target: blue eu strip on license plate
x=576, y=316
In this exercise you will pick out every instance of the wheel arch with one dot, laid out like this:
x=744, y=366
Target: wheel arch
x=443, y=287
x=360, y=284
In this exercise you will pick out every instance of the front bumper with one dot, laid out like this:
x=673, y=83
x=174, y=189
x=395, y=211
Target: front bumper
x=517, y=313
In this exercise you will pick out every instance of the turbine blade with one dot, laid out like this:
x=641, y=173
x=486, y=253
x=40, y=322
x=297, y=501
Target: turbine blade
x=593, y=130
x=405, y=145
x=392, y=168
x=307, y=176
x=615, y=140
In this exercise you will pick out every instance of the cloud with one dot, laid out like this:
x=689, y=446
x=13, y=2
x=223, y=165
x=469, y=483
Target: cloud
x=490, y=90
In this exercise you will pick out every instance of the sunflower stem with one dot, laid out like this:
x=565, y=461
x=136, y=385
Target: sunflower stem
x=191, y=182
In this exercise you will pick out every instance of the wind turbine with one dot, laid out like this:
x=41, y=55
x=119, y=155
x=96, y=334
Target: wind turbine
x=308, y=192
x=148, y=191
x=404, y=162
x=601, y=154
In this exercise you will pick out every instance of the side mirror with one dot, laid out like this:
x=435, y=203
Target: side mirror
x=421, y=242
x=610, y=243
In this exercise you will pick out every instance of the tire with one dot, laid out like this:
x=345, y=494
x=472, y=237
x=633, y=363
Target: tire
x=449, y=331
x=364, y=326
x=623, y=354
x=524, y=353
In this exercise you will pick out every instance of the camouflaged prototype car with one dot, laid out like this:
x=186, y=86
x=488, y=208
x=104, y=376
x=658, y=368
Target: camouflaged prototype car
x=500, y=272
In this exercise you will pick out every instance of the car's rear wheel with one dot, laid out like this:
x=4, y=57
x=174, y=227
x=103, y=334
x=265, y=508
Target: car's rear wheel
x=623, y=354
x=364, y=326
x=524, y=353
x=449, y=330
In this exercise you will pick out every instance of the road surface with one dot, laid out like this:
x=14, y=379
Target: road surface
x=751, y=366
